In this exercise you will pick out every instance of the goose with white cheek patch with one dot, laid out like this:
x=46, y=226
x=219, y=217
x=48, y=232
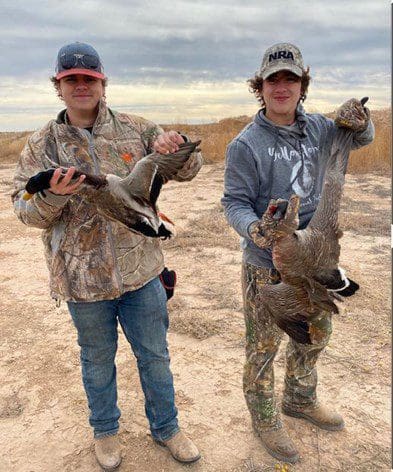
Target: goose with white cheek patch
x=132, y=200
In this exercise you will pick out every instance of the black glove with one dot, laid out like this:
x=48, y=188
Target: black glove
x=353, y=115
x=39, y=182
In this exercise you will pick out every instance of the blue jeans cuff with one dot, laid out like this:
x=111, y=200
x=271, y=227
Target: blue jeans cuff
x=165, y=435
x=104, y=434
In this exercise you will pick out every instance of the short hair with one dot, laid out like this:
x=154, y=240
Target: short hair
x=256, y=83
x=56, y=84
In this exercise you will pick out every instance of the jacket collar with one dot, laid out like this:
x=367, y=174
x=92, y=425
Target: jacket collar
x=103, y=116
x=298, y=130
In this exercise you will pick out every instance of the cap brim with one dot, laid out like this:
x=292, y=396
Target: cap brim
x=281, y=66
x=90, y=73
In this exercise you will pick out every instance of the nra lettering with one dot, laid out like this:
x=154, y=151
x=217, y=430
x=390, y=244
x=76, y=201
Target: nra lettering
x=280, y=55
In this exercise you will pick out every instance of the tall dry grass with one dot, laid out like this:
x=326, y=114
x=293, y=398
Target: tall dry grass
x=377, y=156
x=216, y=136
x=11, y=145
x=372, y=158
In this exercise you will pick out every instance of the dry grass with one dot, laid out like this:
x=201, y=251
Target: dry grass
x=193, y=321
x=376, y=156
x=363, y=218
x=208, y=230
x=206, y=238
x=11, y=145
x=216, y=136
x=250, y=466
x=11, y=406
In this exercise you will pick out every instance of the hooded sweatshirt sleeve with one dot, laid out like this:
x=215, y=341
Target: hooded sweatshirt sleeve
x=241, y=187
x=41, y=211
x=362, y=138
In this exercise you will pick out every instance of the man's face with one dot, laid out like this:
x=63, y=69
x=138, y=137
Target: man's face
x=81, y=92
x=281, y=92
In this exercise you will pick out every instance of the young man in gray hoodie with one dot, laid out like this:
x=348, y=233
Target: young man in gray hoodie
x=284, y=151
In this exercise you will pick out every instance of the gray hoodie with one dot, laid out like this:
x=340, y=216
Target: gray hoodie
x=268, y=161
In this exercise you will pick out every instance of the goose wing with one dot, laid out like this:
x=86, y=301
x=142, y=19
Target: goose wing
x=297, y=330
x=151, y=172
x=293, y=307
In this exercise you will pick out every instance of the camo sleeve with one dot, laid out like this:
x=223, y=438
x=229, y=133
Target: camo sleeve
x=149, y=133
x=360, y=138
x=40, y=211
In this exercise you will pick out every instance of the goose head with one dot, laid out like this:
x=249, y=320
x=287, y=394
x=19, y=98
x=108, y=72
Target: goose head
x=281, y=219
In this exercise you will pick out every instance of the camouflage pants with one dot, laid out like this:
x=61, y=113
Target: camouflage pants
x=263, y=338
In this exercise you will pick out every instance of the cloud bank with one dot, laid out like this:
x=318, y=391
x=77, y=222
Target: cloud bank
x=191, y=59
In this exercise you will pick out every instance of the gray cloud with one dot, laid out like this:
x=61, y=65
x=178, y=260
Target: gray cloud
x=221, y=40
x=185, y=41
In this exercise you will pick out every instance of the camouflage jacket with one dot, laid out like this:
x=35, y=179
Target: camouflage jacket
x=89, y=257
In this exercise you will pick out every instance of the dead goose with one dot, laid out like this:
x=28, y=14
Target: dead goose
x=307, y=259
x=131, y=200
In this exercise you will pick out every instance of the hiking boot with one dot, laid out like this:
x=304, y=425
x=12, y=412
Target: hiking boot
x=181, y=448
x=107, y=451
x=278, y=444
x=319, y=415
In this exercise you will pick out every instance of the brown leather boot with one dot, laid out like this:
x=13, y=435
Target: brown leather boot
x=278, y=444
x=181, y=448
x=319, y=415
x=107, y=451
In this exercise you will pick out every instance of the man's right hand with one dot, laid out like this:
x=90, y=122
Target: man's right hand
x=256, y=233
x=60, y=183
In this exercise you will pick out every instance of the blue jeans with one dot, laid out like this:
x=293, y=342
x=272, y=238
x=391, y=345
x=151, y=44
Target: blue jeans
x=143, y=317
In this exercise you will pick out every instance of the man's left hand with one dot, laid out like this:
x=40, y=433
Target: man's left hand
x=168, y=142
x=353, y=115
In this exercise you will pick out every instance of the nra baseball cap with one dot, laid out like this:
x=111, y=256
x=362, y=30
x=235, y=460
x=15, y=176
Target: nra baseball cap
x=78, y=58
x=281, y=56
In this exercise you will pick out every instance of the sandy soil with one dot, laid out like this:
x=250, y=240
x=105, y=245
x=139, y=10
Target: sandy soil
x=43, y=412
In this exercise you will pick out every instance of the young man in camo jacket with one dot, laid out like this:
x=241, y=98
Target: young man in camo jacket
x=105, y=273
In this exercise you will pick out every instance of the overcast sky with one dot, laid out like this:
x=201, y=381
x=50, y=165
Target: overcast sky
x=188, y=61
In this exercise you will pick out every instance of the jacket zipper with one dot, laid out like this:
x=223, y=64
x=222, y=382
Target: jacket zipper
x=111, y=243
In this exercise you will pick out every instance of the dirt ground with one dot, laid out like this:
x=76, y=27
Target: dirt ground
x=43, y=412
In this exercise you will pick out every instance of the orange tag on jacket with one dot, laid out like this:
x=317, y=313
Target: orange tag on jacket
x=126, y=157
